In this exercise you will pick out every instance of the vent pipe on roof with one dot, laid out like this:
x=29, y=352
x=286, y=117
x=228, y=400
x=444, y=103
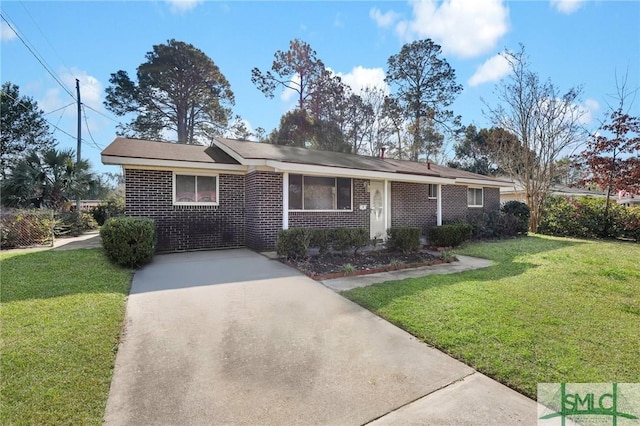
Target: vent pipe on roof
x=428, y=165
x=382, y=150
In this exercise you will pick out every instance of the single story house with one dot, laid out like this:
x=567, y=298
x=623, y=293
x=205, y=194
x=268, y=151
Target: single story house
x=628, y=199
x=236, y=193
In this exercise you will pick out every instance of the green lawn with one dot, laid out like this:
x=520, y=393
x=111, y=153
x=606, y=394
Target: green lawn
x=549, y=310
x=61, y=316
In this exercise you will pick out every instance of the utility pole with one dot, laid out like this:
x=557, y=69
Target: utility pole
x=79, y=139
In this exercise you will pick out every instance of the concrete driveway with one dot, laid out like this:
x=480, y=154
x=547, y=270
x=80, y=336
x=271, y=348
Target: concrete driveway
x=231, y=337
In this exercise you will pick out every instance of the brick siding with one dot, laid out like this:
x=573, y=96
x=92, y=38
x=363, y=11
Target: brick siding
x=149, y=194
x=491, y=199
x=263, y=217
x=411, y=206
x=454, y=203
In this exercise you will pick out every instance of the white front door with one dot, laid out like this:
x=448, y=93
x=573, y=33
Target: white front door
x=377, y=208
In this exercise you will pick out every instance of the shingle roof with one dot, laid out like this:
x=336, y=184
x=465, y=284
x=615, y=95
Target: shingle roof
x=243, y=150
x=139, y=148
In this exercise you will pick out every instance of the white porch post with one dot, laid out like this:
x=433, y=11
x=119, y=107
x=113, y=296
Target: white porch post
x=439, y=206
x=285, y=200
x=387, y=206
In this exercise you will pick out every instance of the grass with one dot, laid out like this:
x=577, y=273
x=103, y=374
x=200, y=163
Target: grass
x=62, y=312
x=549, y=310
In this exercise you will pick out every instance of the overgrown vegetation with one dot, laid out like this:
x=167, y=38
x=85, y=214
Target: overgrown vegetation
x=129, y=241
x=25, y=228
x=60, y=326
x=72, y=224
x=589, y=218
x=549, y=310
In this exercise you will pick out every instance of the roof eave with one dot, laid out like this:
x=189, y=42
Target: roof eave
x=134, y=161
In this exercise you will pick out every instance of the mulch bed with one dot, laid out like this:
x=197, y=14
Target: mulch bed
x=332, y=265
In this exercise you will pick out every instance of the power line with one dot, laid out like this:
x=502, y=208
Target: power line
x=86, y=122
x=35, y=55
x=45, y=37
x=102, y=114
x=56, y=110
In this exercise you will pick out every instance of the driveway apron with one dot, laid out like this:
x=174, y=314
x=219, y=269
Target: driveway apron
x=231, y=337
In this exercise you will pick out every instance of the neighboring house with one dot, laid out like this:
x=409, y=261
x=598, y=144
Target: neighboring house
x=515, y=191
x=628, y=199
x=237, y=193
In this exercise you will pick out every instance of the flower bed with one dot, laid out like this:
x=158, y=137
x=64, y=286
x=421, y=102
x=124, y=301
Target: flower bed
x=336, y=265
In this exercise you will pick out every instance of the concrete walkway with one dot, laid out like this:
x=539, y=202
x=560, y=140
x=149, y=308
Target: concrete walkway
x=231, y=337
x=464, y=263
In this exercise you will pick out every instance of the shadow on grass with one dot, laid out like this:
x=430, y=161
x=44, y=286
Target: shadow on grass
x=47, y=274
x=503, y=253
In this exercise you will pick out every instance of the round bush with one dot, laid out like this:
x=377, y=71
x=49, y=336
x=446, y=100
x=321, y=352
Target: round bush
x=521, y=212
x=129, y=241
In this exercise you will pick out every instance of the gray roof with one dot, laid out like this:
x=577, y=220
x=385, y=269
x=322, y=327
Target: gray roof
x=230, y=151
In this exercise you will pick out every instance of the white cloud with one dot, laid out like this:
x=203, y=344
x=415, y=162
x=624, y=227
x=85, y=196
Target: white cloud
x=493, y=69
x=90, y=87
x=6, y=33
x=183, y=6
x=360, y=77
x=589, y=109
x=462, y=27
x=566, y=6
x=383, y=19
x=287, y=94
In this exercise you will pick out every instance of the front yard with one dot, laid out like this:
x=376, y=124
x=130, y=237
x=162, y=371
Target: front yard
x=62, y=312
x=550, y=310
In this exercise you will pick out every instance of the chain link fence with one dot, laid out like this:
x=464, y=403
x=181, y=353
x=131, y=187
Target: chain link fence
x=26, y=228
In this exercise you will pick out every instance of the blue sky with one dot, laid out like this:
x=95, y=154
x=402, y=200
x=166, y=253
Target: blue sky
x=572, y=42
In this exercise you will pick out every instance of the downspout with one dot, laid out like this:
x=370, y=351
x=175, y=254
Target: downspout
x=439, y=206
x=285, y=200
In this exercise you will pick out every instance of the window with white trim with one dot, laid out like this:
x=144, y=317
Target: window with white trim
x=474, y=197
x=319, y=193
x=433, y=191
x=195, y=189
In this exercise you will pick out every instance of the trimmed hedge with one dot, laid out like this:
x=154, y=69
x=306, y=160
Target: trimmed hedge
x=129, y=241
x=294, y=243
x=451, y=235
x=404, y=239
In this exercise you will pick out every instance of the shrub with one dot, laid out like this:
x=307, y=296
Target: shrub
x=129, y=241
x=631, y=220
x=521, y=212
x=404, y=239
x=582, y=218
x=72, y=224
x=104, y=211
x=24, y=228
x=321, y=239
x=345, y=239
x=451, y=235
x=293, y=243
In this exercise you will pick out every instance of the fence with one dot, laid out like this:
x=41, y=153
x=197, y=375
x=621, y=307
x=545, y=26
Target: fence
x=26, y=228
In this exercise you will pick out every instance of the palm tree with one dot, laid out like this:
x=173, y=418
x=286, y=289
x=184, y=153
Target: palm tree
x=48, y=180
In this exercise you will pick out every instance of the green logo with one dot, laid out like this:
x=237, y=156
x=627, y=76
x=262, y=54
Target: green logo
x=601, y=401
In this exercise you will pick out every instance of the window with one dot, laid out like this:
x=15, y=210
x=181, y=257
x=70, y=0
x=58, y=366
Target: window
x=433, y=191
x=195, y=189
x=474, y=197
x=319, y=193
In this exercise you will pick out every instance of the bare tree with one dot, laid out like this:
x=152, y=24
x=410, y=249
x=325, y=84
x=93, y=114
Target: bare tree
x=546, y=123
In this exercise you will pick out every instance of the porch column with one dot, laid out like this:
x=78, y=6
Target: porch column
x=439, y=206
x=387, y=206
x=285, y=200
